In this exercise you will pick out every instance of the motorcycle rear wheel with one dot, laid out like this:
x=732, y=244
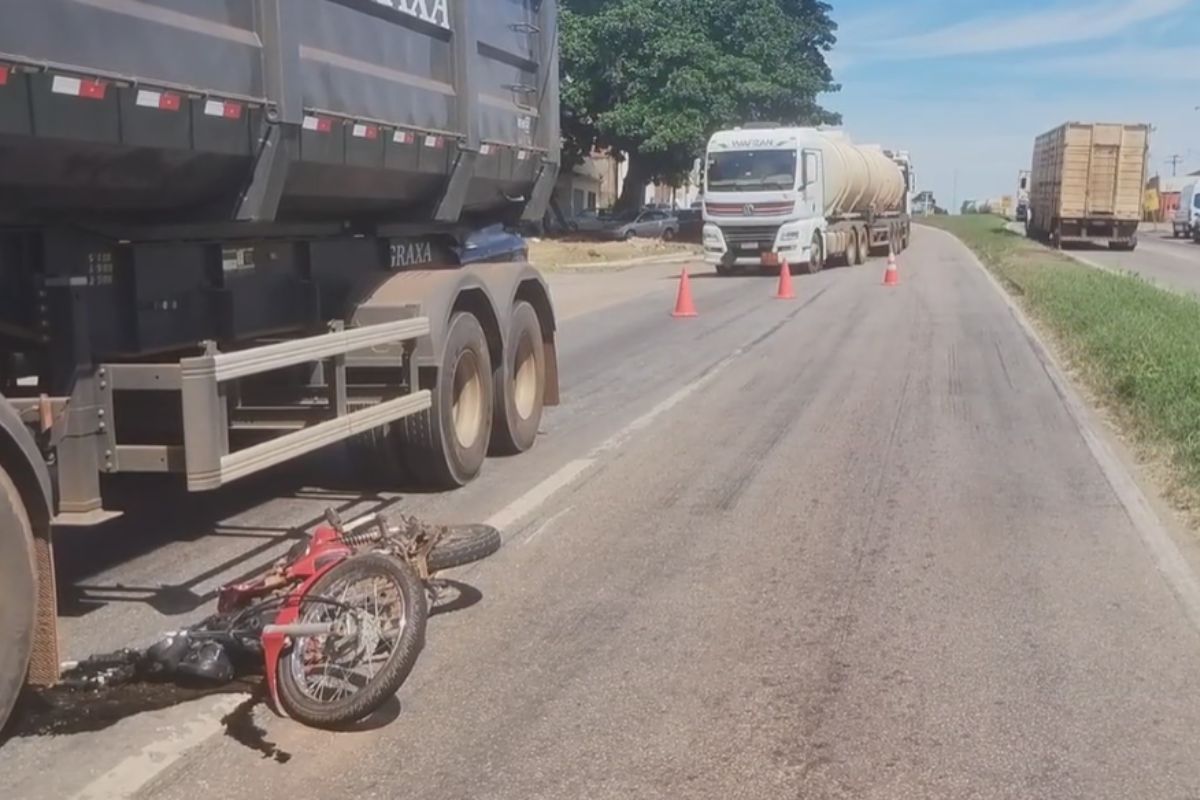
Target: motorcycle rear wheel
x=375, y=595
x=463, y=544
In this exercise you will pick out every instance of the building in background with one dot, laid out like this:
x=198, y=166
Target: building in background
x=1166, y=188
x=596, y=184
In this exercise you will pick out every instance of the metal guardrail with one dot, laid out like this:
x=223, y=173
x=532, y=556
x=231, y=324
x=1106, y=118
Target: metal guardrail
x=201, y=381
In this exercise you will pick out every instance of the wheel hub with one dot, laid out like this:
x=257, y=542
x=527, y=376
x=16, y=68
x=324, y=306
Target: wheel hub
x=467, y=399
x=525, y=379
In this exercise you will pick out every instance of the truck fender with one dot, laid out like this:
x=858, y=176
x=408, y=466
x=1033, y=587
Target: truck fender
x=489, y=291
x=21, y=458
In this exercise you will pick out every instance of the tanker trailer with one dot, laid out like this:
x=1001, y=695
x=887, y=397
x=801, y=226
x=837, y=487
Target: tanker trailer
x=802, y=195
x=234, y=233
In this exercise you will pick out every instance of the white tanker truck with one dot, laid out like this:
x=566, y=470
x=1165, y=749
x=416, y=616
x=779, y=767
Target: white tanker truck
x=804, y=196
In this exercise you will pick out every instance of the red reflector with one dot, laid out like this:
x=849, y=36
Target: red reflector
x=233, y=111
x=169, y=101
x=92, y=90
x=3, y=75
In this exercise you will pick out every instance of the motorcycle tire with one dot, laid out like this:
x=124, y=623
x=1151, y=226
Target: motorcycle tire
x=303, y=707
x=463, y=544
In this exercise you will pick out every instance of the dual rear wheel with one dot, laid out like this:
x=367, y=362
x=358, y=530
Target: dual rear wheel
x=480, y=405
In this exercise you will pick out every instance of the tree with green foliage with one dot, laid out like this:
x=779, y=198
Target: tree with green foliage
x=654, y=78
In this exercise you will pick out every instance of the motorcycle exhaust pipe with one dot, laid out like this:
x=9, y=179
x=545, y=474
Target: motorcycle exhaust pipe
x=300, y=629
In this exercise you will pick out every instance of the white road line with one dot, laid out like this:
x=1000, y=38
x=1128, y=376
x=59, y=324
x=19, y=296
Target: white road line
x=529, y=502
x=1172, y=565
x=546, y=525
x=137, y=770
x=568, y=473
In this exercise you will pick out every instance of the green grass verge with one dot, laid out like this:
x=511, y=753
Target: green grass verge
x=1136, y=346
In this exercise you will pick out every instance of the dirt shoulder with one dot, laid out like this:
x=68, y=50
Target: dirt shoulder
x=555, y=255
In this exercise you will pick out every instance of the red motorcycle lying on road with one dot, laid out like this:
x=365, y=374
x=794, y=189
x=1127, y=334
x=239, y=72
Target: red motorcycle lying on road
x=335, y=626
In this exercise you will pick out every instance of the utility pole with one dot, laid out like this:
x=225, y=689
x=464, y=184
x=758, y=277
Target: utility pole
x=1174, y=161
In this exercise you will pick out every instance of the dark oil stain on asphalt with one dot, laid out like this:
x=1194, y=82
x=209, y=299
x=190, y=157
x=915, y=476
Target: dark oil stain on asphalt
x=240, y=726
x=61, y=711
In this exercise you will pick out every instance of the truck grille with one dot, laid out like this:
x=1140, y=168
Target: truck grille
x=764, y=235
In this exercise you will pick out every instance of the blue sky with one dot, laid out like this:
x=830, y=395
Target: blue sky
x=966, y=86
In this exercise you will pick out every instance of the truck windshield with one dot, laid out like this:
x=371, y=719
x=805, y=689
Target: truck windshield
x=752, y=170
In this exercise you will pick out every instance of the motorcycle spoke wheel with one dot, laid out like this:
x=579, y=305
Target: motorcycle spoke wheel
x=377, y=608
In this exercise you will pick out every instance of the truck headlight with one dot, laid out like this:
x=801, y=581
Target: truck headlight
x=789, y=236
x=712, y=237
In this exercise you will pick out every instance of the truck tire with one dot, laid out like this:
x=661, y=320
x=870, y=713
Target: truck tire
x=816, y=260
x=851, y=254
x=18, y=594
x=445, y=446
x=519, y=384
x=860, y=246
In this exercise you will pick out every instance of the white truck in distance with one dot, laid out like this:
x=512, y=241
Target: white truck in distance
x=802, y=195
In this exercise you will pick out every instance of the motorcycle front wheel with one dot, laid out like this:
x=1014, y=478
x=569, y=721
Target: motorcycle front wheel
x=378, y=610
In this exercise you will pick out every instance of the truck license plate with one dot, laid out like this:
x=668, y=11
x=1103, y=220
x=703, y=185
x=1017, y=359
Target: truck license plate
x=749, y=245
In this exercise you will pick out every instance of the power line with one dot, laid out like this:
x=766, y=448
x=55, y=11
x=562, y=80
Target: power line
x=1174, y=161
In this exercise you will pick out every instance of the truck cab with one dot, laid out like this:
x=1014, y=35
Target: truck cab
x=763, y=198
x=802, y=196
x=1186, y=221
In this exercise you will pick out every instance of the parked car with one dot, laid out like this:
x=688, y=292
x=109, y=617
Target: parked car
x=653, y=224
x=589, y=221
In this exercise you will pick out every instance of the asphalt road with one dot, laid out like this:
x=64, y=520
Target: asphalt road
x=850, y=546
x=1169, y=262
x=1174, y=263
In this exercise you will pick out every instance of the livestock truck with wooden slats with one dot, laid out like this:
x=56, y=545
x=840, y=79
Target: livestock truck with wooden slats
x=802, y=196
x=1086, y=184
x=234, y=233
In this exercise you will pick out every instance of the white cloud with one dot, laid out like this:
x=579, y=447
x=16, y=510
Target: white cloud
x=994, y=34
x=1159, y=64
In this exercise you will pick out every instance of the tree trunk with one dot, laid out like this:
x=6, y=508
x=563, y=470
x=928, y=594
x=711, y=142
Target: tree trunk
x=633, y=193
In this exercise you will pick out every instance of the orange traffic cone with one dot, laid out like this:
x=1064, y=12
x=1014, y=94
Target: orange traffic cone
x=785, y=283
x=684, y=307
x=892, y=276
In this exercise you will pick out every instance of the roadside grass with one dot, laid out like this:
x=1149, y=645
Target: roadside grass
x=1135, y=346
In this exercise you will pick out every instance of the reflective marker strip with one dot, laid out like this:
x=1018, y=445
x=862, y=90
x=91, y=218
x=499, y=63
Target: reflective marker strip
x=435, y=142
x=3, y=74
x=365, y=132
x=522, y=155
x=318, y=124
x=403, y=137
x=221, y=108
x=485, y=149
x=78, y=87
x=166, y=101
